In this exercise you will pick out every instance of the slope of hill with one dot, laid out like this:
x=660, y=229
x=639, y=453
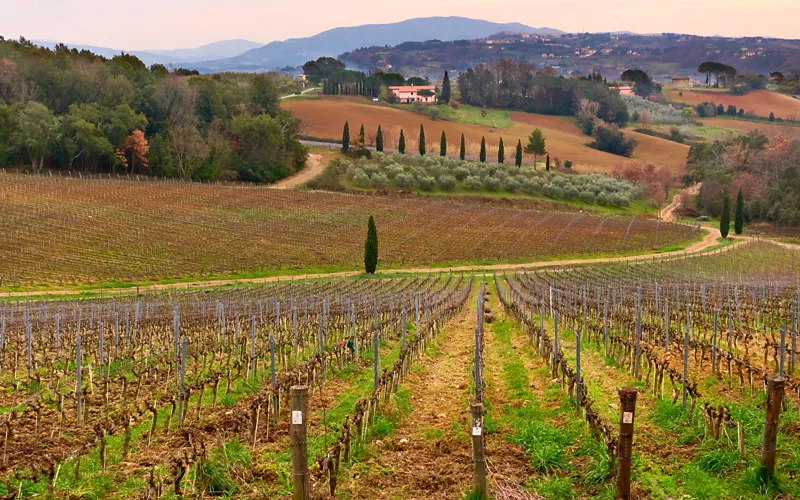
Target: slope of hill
x=294, y=52
x=215, y=50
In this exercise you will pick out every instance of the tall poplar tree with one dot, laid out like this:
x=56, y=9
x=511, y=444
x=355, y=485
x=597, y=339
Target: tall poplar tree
x=725, y=217
x=379, y=140
x=346, y=138
x=501, y=152
x=446, y=92
x=738, y=222
x=371, y=247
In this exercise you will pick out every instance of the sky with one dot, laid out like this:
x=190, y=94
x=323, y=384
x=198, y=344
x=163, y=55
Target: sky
x=170, y=24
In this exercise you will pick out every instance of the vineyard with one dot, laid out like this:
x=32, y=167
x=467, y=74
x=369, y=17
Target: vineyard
x=67, y=230
x=659, y=379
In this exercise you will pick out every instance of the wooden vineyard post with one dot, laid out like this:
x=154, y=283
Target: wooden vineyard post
x=714, y=347
x=775, y=386
x=478, y=455
x=276, y=400
x=578, y=370
x=783, y=351
x=181, y=382
x=375, y=361
x=403, y=337
x=627, y=404
x=685, y=363
x=297, y=434
x=78, y=382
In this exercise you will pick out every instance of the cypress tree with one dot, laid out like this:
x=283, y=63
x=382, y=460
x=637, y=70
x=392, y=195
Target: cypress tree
x=463, y=151
x=443, y=145
x=547, y=163
x=519, y=154
x=379, y=140
x=483, y=149
x=371, y=248
x=346, y=138
x=421, y=140
x=738, y=222
x=445, y=97
x=401, y=147
x=725, y=217
x=501, y=152
x=362, y=141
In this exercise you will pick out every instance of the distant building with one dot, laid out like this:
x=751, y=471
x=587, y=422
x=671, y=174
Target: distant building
x=625, y=90
x=682, y=80
x=410, y=94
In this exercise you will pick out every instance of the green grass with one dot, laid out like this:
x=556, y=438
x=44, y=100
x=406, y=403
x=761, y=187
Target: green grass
x=495, y=118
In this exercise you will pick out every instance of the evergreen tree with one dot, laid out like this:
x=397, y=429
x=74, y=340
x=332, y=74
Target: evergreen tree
x=725, y=217
x=501, y=152
x=371, y=248
x=771, y=116
x=483, y=149
x=446, y=92
x=421, y=140
x=346, y=138
x=401, y=147
x=379, y=140
x=443, y=145
x=536, y=145
x=463, y=151
x=547, y=163
x=738, y=222
x=519, y=154
x=362, y=141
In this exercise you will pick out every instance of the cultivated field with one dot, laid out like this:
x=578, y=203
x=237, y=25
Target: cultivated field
x=414, y=386
x=65, y=230
x=760, y=102
x=325, y=118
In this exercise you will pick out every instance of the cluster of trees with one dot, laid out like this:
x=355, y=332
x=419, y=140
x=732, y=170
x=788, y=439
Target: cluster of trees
x=765, y=168
x=643, y=86
x=69, y=109
x=723, y=73
x=404, y=172
x=335, y=79
x=513, y=85
x=536, y=146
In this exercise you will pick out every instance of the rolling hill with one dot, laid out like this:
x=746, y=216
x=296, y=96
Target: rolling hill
x=294, y=52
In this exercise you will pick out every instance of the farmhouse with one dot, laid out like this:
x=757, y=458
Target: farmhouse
x=681, y=80
x=425, y=94
x=625, y=90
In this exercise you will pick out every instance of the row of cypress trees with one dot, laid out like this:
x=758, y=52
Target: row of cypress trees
x=725, y=218
x=401, y=146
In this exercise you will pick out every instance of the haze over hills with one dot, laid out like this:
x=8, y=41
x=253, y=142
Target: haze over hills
x=216, y=50
x=295, y=52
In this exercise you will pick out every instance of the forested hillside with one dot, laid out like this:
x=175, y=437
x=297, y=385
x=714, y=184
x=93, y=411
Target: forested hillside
x=64, y=109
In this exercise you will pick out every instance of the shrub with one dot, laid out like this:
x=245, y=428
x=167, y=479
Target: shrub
x=612, y=140
x=567, y=163
x=361, y=179
x=404, y=181
x=473, y=182
x=511, y=185
x=426, y=183
x=461, y=173
x=380, y=180
x=447, y=183
x=491, y=183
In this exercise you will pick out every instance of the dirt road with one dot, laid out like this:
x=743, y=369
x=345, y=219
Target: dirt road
x=668, y=214
x=314, y=167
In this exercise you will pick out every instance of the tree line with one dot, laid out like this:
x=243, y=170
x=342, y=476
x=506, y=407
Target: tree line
x=69, y=109
x=535, y=146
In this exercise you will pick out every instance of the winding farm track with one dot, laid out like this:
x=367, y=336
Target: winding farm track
x=314, y=167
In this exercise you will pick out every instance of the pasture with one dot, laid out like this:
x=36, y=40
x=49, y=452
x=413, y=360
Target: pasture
x=324, y=118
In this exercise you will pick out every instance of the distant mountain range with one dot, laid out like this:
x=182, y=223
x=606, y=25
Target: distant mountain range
x=182, y=57
x=295, y=52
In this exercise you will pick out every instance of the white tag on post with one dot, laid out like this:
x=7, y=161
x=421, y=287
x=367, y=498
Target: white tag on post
x=627, y=417
x=477, y=431
x=297, y=417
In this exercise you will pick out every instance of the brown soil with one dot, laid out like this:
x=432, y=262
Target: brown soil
x=760, y=102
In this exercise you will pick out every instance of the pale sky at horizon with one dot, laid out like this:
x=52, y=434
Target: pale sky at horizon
x=170, y=24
